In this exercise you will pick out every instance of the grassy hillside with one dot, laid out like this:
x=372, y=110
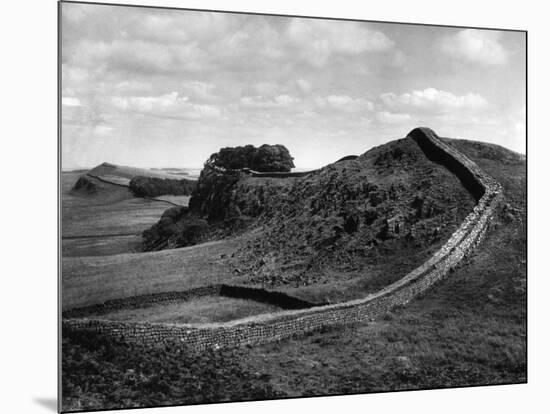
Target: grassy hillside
x=346, y=230
x=106, y=221
x=371, y=219
x=103, y=214
x=89, y=280
x=469, y=329
x=112, y=170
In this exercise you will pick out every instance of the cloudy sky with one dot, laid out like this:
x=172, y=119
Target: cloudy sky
x=166, y=88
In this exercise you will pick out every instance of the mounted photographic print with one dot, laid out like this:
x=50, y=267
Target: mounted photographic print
x=257, y=207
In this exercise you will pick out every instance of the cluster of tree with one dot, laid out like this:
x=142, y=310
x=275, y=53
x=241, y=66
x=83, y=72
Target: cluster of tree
x=267, y=158
x=153, y=186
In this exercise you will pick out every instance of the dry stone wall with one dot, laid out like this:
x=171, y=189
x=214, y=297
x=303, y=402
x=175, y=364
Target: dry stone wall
x=97, y=177
x=279, y=299
x=142, y=301
x=279, y=325
x=248, y=171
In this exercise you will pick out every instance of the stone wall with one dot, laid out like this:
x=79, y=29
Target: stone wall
x=279, y=325
x=142, y=301
x=271, y=297
x=248, y=171
x=103, y=180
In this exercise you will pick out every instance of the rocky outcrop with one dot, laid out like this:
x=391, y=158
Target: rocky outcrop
x=275, y=326
x=390, y=205
x=175, y=228
x=212, y=194
x=356, y=196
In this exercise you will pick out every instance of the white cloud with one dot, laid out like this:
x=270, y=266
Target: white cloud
x=386, y=117
x=199, y=90
x=344, y=103
x=399, y=59
x=479, y=46
x=303, y=86
x=433, y=101
x=146, y=72
x=285, y=100
x=170, y=105
x=138, y=56
x=260, y=102
x=102, y=130
x=132, y=86
x=70, y=101
x=148, y=103
x=265, y=88
x=319, y=39
x=74, y=13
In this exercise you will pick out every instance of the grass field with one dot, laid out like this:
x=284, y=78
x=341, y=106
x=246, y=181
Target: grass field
x=198, y=310
x=106, y=223
x=181, y=200
x=101, y=233
x=89, y=280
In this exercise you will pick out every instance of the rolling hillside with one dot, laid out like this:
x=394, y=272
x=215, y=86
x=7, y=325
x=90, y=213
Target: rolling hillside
x=469, y=329
x=101, y=215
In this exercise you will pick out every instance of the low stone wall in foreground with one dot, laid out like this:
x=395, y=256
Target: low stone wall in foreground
x=280, y=299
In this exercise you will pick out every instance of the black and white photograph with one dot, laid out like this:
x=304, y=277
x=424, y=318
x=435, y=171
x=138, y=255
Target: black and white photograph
x=263, y=207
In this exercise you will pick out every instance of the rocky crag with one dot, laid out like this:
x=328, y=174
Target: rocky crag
x=390, y=204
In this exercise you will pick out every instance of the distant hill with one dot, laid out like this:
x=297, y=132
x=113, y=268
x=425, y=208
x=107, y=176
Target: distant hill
x=142, y=182
x=120, y=174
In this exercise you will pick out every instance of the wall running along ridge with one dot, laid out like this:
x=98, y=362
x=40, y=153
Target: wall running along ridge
x=274, y=326
x=97, y=177
x=253, y=173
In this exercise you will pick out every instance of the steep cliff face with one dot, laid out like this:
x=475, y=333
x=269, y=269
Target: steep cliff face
x=212, y=197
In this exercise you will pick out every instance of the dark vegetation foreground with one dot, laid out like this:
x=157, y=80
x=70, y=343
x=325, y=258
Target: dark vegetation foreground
x=469, y=329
